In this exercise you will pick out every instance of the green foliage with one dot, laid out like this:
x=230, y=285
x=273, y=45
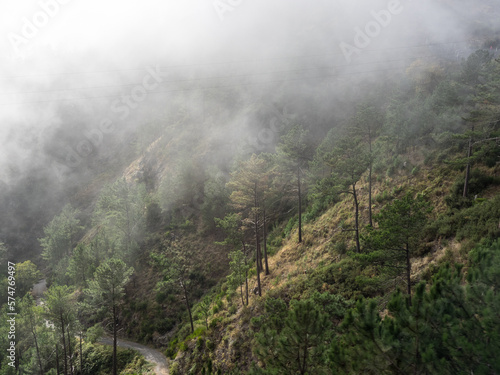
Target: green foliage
x=473, y=223
x=61, y=235
x=295, y=148
x=154, y=216
x=121, y=212
x=98, y=360
x=204, y=309
x=181, y=193
x=33, y=337
x=292, y=223
x=320, y=203
x=383, y=197
x=215, y=197
x=82, y=265
x=293, y=155
x=239, y=270
x=448, y=328
x=232, y=226
x=26, y=275
x=107, y=289
x=297, y=348
x=478, y=182
x=334, y=305
x=474, y=66
x=391, y=246
x=60, y=305
x=179, y=272
x=94, y=333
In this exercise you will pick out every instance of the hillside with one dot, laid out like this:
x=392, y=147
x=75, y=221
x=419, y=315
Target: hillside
x=268, y=216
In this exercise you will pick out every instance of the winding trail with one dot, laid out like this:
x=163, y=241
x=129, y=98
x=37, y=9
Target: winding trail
x=151, y=355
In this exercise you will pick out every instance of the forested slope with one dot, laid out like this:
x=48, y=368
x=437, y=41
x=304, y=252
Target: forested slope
x=315, y=242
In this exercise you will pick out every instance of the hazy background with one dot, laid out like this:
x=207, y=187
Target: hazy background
x=74, y=70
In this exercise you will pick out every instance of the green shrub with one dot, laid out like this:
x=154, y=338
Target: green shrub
x=473, y=223
x=174, y=368
x=478, y=181
x=183, y=346
x=171, y=351
x=210, y=345
x=290, y=225
x=382, y=197
x=199, y=342
x=341, y=247
x=391, y=171
x=98, y=360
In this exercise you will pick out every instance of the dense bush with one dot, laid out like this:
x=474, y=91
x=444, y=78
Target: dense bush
x=474, y=223
x=478, y=182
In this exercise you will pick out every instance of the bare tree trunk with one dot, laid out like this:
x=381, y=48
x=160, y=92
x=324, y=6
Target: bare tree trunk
x=258, y=280
x=265, y=243
x=81, y=353
x=64, y=346
x=257, y=256
x=300, y=204
x=33, y=331
x=356, y=217
x=246, y=285
x=304, y=361
x=246, y=272
x=57, y=359
x=70, y=351
x=408, y=272
x=188, y=307
x=257, y=238
x=467, y=169
x=370, y=179
x=115, y=361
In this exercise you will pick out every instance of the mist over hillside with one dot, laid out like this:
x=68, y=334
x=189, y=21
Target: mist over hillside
x=257, y=187
x=79, y=79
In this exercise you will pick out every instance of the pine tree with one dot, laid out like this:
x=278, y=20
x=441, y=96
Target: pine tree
x=121, y=211
x=248, y=185
x=236, y=233
x=61, y=235
x=177, y=268
x=294, y=154
x=392, y=245
x=82, y=265
x=297, y=348
x=239, y=271
x=60, y=311
x=27, y=274
x=349, y=160
x=32, y=319
x=366, y=123
x=106, y=292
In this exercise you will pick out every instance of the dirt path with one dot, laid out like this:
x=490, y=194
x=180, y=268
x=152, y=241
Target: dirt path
x=151, y=355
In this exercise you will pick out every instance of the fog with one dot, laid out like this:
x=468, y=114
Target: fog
x=78, y=76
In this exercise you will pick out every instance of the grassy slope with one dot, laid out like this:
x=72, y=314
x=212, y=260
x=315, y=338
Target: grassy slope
x=316, y=264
